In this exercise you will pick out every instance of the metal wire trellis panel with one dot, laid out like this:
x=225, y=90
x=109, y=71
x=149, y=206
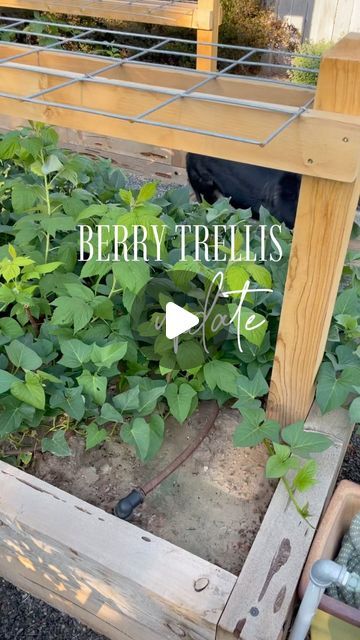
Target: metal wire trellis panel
x=117, y=49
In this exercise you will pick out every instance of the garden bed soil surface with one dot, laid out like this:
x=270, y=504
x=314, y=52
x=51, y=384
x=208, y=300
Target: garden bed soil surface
x=211, y=506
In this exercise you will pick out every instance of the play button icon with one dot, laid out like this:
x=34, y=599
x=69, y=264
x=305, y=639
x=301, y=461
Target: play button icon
x=178, y=320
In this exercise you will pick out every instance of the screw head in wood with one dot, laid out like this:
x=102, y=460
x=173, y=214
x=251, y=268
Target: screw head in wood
x=201, y=583
x=345, y=139
x=310, y=161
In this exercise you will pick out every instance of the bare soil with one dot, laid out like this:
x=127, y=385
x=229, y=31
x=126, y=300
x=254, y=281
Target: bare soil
x=212, y=505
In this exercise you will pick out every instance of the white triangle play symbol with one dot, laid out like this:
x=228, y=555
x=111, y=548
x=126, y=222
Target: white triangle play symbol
x=178, y=320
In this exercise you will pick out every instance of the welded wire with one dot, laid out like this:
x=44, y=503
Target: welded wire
x=158, y=46
x=173, y=39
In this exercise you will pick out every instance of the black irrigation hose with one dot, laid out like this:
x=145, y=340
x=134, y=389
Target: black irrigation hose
x=125, y=506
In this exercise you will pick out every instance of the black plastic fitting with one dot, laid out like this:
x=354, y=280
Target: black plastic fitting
x=126, y=506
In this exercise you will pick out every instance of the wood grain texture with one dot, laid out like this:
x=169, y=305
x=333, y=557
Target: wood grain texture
x=205, y=38
x=261, y=604
x=175, y=14
x=179, y=78
x=115, y=577
x=324, y=220
x=300, y=148
x=163, y=165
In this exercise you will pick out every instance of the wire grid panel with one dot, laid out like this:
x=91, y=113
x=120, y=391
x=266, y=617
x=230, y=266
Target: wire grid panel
x=170, y=12
x=112, y=50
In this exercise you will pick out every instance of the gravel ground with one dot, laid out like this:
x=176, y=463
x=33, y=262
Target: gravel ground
x=25, y=618
x=351, y=465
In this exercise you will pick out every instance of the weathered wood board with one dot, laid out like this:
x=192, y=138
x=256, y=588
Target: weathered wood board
x=156, y=163
x=113, y=576
x=261, y=604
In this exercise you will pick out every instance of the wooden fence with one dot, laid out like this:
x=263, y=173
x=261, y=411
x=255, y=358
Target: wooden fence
x=319, y=20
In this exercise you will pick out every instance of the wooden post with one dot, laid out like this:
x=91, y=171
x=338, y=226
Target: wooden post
x=325, y=216
x=203, y=49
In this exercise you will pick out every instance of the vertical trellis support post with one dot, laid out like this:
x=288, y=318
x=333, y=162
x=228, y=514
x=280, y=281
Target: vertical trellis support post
x=212, y=35
x=324, y=221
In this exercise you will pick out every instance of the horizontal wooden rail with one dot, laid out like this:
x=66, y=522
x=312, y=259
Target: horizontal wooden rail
x=316, y=144
x=162, y=76
x=177, y=14
x=118, y=579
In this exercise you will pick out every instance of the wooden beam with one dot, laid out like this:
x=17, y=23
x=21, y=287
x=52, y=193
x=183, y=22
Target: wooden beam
x=299, y=148
x=206, y=38
x=117, y=578
x=324, y=220
x=164, y=76
x=260, y=606
x=160, y=164
x=176, y=14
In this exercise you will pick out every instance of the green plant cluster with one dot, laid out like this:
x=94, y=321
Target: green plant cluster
x=308, y=48
x=68, y=356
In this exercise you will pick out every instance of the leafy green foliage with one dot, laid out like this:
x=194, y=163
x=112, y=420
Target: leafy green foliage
x=301, y=76
x=69, y=358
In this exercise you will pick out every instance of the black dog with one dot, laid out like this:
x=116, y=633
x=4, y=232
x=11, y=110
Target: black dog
x=246, y=185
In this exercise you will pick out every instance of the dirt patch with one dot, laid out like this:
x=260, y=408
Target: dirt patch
x=212, y=505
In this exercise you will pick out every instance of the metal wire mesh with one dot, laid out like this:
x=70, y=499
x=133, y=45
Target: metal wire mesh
x=119, y=48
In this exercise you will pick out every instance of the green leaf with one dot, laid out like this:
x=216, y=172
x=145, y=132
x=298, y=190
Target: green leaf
x=303, y=443
x=128, y=401
x=236, y=276
x=57, y=445
x=11, y=328
x=94, y=386
x=72, y=311
x=94, y=436
x=51, y=164
x=254, y=429
x=13, y=415
x=75, y=353
x=106, y=356
x=148, y=399
x=109, y=414
x=71, y=401
x=253, y=326
x=281, y=462
x=180, y=400
x=132, y=275
x=9, y=145
x=260, y=274
x=305, y=477
x=347, y=303
x=6, y=380
x=94, y=210
x=332, y=391
x=146, y=436
x=222, y=375
x=22, y=356
x=248, y=390
x=146, y=192
x=189, y=355
x=31, y=391
x=354, y=410
x=24, y=197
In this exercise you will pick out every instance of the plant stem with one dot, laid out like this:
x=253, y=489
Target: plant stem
x=48, y=207
x=294, y=501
